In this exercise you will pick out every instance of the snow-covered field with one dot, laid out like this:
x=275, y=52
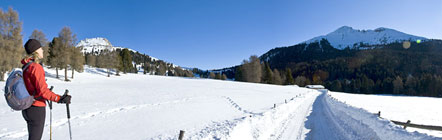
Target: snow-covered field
x=155, y=107
x=419, y=110
x=136, y=106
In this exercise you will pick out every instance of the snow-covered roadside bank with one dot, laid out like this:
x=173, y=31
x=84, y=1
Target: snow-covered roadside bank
x=331, y=119
x=420, y=110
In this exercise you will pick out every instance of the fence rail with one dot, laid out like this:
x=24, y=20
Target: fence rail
x=409, y=124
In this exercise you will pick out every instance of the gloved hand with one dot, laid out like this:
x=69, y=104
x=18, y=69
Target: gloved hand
x=65, y=99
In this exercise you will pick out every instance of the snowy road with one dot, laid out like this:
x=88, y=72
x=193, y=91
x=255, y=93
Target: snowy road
x=335, y=120
x=324, y=124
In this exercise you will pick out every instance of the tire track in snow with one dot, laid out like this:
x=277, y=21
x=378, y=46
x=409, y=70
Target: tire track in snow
x=294, y=127
x=274, y=124
x=325, y=124
x=85, y=116
x=332, y=120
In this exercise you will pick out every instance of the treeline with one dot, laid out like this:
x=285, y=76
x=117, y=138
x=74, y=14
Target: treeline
x=126, y=61
x=219, y=75
x=159, y=67
x=256, y=71
x=383, y=69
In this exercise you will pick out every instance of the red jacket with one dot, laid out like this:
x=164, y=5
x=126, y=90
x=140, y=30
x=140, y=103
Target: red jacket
x=34, y=78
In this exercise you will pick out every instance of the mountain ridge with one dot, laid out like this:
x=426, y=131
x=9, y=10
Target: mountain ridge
x=347, y=36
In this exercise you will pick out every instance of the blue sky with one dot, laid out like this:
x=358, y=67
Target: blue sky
x=211, y=34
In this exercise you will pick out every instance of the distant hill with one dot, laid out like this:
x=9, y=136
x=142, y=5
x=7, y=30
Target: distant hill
x=141, y=62
x=390, y=62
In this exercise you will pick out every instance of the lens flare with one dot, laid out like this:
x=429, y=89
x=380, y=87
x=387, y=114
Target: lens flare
x=418, y=41
x=406, y=44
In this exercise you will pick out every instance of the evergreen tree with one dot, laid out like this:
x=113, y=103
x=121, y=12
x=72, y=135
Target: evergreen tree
x=127, y=61
x=336, y=85
x=55, y=54
x=238, y=73
x=289, y=77
x=268, y=74
x=367, y=84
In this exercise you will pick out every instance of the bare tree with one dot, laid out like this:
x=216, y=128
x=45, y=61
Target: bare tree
x=277, y=77
x=212, y=75
x=300, y=81
x=252, y=70
x=67, y=39
x=77, y=60
x=224, y=77
x=91, y=60
x=41, y=37
x=11, y=41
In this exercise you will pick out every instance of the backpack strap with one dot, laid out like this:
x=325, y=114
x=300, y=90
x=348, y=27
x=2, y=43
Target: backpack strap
x=27, y=65
x=24, y=69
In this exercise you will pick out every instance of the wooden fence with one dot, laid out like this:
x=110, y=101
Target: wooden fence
x=409, y=124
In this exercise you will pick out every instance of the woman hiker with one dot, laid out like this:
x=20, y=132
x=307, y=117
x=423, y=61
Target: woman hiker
x=34, y=78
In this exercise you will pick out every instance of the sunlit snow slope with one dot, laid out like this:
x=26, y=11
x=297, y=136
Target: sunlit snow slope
x=137, y=106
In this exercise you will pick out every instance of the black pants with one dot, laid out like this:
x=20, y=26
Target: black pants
x=35, y=118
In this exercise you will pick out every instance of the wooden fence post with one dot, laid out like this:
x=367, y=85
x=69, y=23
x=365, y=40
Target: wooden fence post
x=274, y=105
x=285, y=100
x=408, y=122
x=181, y=135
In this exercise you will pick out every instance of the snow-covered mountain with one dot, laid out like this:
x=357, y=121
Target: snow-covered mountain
x=96, y=45
x=347, y=36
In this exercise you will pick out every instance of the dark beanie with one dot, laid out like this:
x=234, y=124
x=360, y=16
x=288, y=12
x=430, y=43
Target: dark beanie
x=32, y=45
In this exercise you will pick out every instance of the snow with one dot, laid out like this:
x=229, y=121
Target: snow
x=419, y=110
x=331, y=119
x=137, y=106
x=97, y=45
x=315, y=86
x=347, y=36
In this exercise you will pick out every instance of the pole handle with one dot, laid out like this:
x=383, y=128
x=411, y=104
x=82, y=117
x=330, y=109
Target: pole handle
x=50, y=102
x=67, y=105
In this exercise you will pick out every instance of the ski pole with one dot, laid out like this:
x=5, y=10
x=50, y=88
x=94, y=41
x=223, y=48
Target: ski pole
x=50, y=118
x=69, y=115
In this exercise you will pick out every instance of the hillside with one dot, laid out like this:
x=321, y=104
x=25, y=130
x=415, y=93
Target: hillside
x=93, y=47
x=397, y=64
x=389, y=68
